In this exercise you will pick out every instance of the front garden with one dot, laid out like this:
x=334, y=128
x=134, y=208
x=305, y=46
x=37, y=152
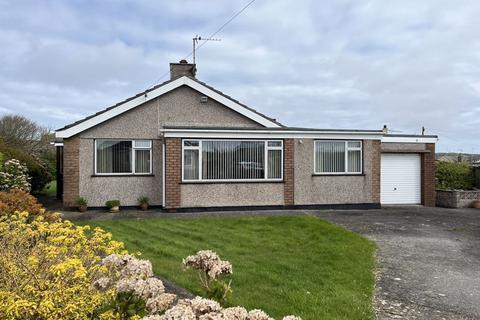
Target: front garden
x=51, y=268
x=300, y=265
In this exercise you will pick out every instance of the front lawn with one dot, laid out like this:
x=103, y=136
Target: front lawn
x=284, y=265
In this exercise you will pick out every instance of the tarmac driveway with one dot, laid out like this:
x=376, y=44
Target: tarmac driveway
x=429, y=260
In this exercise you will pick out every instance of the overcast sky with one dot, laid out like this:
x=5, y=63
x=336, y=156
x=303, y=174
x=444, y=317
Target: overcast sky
x=325, y=64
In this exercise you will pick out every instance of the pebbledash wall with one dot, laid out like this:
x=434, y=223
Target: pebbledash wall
x=180, y=107
x=300, y=186
x=336, y=189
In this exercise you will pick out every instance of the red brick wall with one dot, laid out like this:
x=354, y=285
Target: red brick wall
x=71, y=171
x=288, y=174
x=376, y=163
x=173, y=172
x=428, y=176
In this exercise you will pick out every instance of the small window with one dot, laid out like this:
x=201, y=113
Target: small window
x=191, y=143
x=337, y=157
x=123, y=157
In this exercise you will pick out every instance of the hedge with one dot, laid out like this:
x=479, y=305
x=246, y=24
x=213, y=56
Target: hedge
x=454, y=176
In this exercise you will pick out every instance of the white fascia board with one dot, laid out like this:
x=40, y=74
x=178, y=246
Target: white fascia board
x=268, y=134
x=410, y=139
x=87, y=124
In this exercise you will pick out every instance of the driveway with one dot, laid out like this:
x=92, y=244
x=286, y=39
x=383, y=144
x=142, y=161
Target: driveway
x=428, y=259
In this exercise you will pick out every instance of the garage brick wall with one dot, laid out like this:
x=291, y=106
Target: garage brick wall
x=428, y=176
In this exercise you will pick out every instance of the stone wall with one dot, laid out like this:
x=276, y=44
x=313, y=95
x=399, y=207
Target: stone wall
x=456, y=199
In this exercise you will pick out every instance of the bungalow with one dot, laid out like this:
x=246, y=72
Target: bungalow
x=187, y=145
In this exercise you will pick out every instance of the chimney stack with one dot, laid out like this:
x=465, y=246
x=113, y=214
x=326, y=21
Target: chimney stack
x=183, y=68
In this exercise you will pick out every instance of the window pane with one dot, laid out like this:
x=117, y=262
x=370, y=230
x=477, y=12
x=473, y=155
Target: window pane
x=114, y=156
x=142, y=161
x=233, y=160
x=189, y=143
x=146, y=144
x=354, y=161
x=330, y=156
x=354, y=144
x=274, y=143
x=190, y=164
x=274, y=164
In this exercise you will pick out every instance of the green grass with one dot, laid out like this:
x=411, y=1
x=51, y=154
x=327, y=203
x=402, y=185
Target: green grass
x=284, y=265
x=50, y=190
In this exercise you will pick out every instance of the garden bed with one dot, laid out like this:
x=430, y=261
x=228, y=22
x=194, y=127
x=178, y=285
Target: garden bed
x=296, y=265
x=457, y=198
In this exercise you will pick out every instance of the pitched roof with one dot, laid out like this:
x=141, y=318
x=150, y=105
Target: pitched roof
x=158, y=90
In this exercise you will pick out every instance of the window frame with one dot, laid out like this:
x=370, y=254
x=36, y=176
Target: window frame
x=200, y=160
x=347, y=149
x=132, y=165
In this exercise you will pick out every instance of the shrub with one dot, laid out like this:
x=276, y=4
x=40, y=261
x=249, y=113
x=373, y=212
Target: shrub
x=37, y=170
x=19, y=200
x=46, y=269
x=81, y=201
x=213, y=273
x=14, y=175
x=137, y=292
x=143, y=200
x=454, y=175
x=112, y=203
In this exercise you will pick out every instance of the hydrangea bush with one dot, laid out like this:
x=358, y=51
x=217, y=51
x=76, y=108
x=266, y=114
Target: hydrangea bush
x=213, y=273
x=137, y=292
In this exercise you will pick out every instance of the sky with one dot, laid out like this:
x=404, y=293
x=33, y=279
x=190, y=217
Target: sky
x=327, y=64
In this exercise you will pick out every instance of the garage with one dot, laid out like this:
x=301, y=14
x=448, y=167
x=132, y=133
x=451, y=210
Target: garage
x=400, y=181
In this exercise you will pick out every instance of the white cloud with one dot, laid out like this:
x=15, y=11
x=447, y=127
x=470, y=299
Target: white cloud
x=342, y=64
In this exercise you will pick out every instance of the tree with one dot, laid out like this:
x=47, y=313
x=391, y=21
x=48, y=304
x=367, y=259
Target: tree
x=19, y=132
x=29, y=142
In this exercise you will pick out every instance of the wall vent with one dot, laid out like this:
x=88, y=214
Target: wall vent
x=203, y=99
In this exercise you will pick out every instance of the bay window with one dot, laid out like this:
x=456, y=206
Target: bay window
x=123, y=157
x=232, y=160
x=338, y=157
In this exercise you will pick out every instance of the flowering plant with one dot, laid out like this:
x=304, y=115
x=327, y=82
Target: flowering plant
x=213, y=273
x=46, y=269
x=137, y=291
x=205, y=309
x=14, y=175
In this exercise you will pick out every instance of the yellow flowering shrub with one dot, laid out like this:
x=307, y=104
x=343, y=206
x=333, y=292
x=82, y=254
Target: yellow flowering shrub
x=47, y=269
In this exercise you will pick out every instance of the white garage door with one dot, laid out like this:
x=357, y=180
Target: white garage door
x=400, y=179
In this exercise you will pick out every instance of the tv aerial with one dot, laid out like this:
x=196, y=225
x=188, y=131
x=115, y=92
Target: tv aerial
x=199, y=38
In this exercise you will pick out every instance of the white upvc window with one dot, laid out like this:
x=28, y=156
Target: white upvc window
x=338, y=157
x=232, y=160
x=123, y=157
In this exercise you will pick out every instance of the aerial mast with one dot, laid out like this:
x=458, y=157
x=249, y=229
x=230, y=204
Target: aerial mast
x=197, y=39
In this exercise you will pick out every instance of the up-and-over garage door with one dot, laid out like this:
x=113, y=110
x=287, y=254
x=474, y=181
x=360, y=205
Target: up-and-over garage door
x=400, y=178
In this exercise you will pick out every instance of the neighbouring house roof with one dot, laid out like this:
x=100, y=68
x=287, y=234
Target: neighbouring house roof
x=156, y=91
